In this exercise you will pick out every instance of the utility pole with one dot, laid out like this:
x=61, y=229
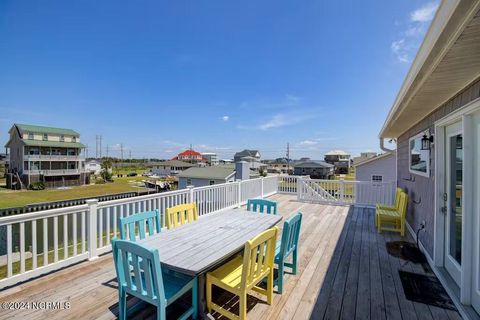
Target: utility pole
x=107, y=150
x=288, y=157
x=100, y=147
x=121, y=151
x=130, y=154
x=86, y=151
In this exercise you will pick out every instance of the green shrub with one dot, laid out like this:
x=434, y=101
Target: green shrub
x=99, y=181
x=38, y=185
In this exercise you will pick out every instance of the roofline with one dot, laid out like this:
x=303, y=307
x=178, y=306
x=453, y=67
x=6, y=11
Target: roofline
x=384, y=155
x=437, y=27
x=23, y=124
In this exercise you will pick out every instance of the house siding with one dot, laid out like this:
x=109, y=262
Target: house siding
x=421, y=204
x=196, y=182
x=384, y=167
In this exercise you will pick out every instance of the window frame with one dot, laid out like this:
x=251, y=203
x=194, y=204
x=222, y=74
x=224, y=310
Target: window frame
x=377, y=181
x=210, y=182
x=420, y=173
x=30, y=136
x=45, y=137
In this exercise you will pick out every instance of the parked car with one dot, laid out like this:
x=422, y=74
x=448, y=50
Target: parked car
x=132, y=174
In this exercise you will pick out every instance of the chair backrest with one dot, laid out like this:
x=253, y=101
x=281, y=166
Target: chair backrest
x=150, y=218
x=139, y=277
x=291, y=234
x=258, y=257
x=402, y=207
x=181, y=214
x=262, y=206
x=398, y=192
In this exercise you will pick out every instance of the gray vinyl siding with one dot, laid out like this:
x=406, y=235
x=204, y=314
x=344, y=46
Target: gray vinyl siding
x=182, y=182
x=421, y=190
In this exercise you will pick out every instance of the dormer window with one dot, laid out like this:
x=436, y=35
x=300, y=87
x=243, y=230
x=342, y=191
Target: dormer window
x=45, y=137
x=62, y=138
x=30, y=136
x=74, y=139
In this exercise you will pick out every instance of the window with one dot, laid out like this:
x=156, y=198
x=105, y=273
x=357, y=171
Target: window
x=74, y=139
x=377, y=178
x=45, y=137
x=212, y=182
x=62, y=138
x=189, y=182
x=30, y=136
x=419, y=160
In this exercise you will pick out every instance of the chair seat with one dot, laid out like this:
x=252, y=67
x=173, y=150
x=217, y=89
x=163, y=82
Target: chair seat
x=174, y=286
x=385, y=207
x=393, y=214
x=230, y=274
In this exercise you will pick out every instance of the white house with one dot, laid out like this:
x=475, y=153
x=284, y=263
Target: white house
x=170, y=167
x=93, y=166
x=381, y=168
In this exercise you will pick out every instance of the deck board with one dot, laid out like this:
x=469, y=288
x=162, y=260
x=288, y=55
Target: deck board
x=344, y=271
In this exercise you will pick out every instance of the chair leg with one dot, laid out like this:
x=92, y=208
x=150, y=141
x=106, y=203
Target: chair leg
x=209, y=295
x=122, y=305
x=161, y=313
x=270, y=286
x=279, y=279
x=294, y=261
x=243, y=306
x=195, y=298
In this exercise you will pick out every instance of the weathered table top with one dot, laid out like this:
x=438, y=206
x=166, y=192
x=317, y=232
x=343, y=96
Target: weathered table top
x=198, y=246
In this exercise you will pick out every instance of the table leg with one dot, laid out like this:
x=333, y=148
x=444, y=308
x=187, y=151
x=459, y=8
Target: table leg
x=202, y=302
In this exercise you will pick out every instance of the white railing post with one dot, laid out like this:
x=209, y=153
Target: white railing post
x=299, y=187
x=342, y=190
x=190, y=194
x=239, y=194
x=92, y=228
x=261, y=188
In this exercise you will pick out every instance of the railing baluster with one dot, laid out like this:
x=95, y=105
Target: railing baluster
x=83, y=231
x=65, y=236
x=115, y=221
x=45, y=241
x=34, y=244
x=9, y=251
x=55, y=239
x=107, y=220
x=100, y=227
x=74, y=233
x=22, y=247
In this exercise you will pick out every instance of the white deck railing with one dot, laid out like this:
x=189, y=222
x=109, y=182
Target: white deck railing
x=35, y=243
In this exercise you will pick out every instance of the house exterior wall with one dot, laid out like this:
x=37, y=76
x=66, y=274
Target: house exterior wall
x=421, y=204
x=384, y=167
x=314, y=173
x=16, y=153
x=182, y=182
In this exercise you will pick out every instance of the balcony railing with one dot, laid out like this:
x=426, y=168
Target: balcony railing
x=35, y=243
x=39, y=157
x=54, y=172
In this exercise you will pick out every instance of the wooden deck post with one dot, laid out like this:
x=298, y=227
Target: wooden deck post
x=92, y=228
x=239, y=194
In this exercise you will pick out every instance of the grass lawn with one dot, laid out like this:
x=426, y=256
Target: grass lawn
x=18, y=198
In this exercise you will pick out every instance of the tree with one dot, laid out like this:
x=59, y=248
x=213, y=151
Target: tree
x=106, y=172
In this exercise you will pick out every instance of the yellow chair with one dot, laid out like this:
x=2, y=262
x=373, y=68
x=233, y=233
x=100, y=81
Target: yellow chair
x=388, y=207
x=242, y=274
x=181, y=214
x=393, y=220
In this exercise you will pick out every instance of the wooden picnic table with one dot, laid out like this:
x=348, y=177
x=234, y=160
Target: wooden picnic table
x=203, y=245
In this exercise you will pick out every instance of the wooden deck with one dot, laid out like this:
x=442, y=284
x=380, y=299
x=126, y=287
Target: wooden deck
x=344, y=272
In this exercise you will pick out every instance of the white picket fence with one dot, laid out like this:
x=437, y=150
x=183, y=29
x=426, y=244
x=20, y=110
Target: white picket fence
x=36, y=243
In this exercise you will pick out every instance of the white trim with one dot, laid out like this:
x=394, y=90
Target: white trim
x=420, y=173
x=468, y=108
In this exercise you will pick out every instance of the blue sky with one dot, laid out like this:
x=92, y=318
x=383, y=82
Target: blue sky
x=157, y=76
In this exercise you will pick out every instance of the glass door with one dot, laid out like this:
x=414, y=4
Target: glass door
x=454, y=205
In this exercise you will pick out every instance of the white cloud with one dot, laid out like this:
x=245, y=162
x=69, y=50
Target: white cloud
x=308, y=143
x=225, y=118
x=405, y=47
x=425, y=13
x=276, y=121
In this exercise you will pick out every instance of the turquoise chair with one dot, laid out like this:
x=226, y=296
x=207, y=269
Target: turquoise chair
x=152, y=219
x=143, y=278
x=286, y=246
x=260, y=205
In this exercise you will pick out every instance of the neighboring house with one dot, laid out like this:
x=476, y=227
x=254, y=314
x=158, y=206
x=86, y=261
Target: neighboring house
x=50, y=155
x=314, y=169
x=206, y=176
x=170, y=167
x=210, y=157
x=190, y=155
x=340, y=159
x=280, y=165
x=435, y=120
x=381, y=168
x=239, y=156
x=363, y=156
x=93, y=166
